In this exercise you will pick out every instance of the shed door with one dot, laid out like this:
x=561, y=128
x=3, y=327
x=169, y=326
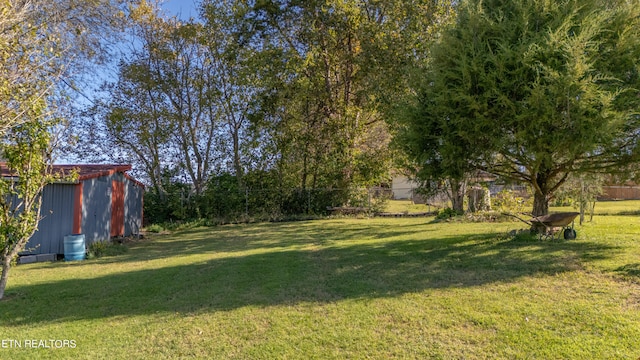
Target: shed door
x=117, y=208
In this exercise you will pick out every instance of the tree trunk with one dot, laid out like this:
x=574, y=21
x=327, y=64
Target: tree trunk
x=237, y=161
x=478, y=200
x=540, y=204
x=6, y=265
x=457, y=202
x=456, y=196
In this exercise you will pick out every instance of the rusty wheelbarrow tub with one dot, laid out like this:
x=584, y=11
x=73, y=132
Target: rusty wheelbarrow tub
x=548, y=225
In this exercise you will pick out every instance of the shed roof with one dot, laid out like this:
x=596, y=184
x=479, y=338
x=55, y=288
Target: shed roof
x=91, y=171
x=85, y=171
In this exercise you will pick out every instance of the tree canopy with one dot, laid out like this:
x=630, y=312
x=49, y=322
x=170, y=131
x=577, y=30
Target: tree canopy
x=530, y=90
x=295, y=89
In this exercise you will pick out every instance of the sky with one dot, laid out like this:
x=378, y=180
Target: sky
x=184, y=9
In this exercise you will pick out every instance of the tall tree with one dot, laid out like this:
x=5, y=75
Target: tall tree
x=137, y=120
x=234, y=81
x=532, y=91
x=43, y=46
x=325, y=62
x=160, y=110
x=23, y=141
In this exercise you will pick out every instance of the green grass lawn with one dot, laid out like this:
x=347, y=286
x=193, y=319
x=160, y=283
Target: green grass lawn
x=341, y=288
x=407, y=206
x=627, y=207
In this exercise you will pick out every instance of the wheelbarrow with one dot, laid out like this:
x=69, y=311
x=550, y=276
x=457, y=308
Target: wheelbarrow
x=548, y=225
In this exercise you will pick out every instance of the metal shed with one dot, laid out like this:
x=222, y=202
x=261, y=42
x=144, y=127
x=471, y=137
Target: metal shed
x=105, y=202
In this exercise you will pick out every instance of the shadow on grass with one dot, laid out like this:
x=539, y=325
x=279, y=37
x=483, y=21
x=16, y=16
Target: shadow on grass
x=334, y=270
x=626, y=213
x=263, y=236
x=629, y=270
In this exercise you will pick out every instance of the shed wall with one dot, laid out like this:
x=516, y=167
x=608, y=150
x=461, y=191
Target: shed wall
x=96, y=209
x=57, y=213
x=133, y=202
x=56, y=220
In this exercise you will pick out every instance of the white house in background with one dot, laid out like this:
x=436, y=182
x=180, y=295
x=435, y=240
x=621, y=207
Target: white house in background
x=402, y=188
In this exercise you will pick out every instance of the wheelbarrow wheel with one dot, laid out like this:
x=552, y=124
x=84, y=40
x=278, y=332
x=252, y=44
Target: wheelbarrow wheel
x=569, y=234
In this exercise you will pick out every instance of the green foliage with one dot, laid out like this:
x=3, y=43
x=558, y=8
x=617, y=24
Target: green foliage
x=447, y=213
x=525, y=236
x=224, y=197
x=296, y=91
x=581, y=191
x=171, y=200
x=98, y=249
x=311, y=92
x=42, y=47
x=378, y=200
x=162, y=110
x=512, y=202
x=264, y=198
x=154, y=228
x=328, y=77
x=260, y=197
x=528, y=90
x=26, y=150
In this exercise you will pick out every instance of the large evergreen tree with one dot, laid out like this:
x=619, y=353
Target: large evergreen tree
x=530, y=90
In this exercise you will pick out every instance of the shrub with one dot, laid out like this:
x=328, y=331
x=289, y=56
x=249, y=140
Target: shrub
x=105, y=248
x=447, y=213
x=488, y=216
x=509, y=201
x=155, y=228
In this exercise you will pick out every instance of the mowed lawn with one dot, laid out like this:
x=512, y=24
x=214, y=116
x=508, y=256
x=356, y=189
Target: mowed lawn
x=342, y=288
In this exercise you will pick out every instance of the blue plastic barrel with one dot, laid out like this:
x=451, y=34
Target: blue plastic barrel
x=74, y=247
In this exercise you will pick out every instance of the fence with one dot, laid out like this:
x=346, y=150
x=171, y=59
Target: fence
x=410, y=193
x=620, y=193
x=233, y=204
x=282, y=202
